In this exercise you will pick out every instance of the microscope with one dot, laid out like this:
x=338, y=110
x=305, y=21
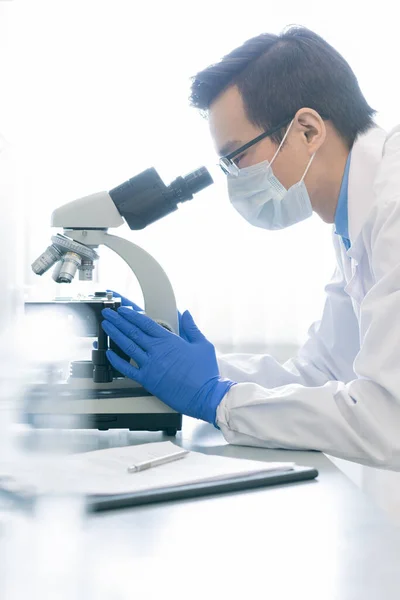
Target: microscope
x=94, y=392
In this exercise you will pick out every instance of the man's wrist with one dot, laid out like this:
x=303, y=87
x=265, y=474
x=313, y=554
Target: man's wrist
x=218, y=389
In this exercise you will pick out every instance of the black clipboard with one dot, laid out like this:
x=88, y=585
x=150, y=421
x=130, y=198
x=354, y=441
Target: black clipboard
x=100, y=503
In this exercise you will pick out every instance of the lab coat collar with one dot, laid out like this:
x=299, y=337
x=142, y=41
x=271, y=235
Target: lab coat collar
x=341, y=215
x=366, y=156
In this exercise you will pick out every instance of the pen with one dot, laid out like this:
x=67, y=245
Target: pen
x=155, y=462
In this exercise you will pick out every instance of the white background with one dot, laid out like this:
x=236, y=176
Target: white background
x=101, y=93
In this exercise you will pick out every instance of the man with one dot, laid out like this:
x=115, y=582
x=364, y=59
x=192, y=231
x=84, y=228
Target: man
x=296, y=135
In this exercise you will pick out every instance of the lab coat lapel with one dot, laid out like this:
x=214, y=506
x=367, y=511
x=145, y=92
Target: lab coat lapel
x=365, y=159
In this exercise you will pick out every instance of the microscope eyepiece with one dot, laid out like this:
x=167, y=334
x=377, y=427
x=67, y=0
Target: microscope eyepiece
x=183, y=188
x=198, y=180
x=145, y=198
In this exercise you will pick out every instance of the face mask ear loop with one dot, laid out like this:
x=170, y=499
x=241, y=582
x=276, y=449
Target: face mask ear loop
x=281, y=144
x=308, y=166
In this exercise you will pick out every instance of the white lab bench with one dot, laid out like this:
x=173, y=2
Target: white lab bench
x=312, y=540
x=321, y=539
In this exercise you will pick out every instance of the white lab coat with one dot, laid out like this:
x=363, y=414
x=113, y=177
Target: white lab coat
x=341, y=394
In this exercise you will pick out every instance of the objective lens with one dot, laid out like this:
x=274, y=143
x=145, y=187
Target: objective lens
x=46, y=260
x=69, y=264
x=86, y=270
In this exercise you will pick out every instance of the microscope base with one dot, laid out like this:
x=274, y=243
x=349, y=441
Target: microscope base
x=167, y=423
x=107, y=408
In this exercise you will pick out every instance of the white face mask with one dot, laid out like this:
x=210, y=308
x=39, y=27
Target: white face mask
x=263, y=201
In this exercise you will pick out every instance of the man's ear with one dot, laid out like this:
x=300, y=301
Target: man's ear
x=313, y=128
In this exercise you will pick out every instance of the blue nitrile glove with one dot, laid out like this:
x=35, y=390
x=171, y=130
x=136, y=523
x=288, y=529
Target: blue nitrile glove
x=127, y=302
x=124, y=302
x=182, y=373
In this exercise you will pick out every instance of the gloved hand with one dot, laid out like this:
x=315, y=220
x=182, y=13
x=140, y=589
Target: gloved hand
x=183, y=373
x=127, y=302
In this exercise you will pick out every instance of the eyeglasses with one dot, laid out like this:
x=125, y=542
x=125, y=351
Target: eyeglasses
x=226, y=163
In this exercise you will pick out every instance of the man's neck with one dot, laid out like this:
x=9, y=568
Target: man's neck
x=334, y=160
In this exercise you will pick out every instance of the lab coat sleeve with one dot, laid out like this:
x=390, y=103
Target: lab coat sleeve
x=359, y=419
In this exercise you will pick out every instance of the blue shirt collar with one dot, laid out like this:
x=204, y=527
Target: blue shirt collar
x=341, y=215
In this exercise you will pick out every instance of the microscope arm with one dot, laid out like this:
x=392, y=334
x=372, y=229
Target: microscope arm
x=159, y=298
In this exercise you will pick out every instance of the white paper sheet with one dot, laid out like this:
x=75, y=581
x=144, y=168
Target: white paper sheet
x=105, y=471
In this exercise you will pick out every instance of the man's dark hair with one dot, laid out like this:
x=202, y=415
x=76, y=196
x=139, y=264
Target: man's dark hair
x=279, y=74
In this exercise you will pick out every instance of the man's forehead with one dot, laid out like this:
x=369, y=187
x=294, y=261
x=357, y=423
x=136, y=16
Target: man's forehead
x=229, y=125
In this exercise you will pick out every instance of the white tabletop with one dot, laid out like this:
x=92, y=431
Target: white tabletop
x=321, y=539
x=313, y=540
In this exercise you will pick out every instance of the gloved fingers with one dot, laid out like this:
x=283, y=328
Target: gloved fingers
x=129, y=329
x=144, y=323
x=182, y=333
x=126, y=301
x=189, y=328
x=124, y=367
x=126, y=344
